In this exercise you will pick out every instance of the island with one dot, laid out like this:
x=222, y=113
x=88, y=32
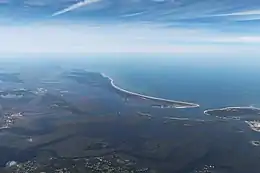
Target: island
x=160, y=102
x=233, y=111
x=238, y=113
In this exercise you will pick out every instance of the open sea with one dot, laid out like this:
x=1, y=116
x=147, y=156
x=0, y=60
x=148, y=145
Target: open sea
x=212, y=83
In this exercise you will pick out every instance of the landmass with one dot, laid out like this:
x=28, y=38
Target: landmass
x=233, y=111
x=10, y=77
x=80, y=123
x=238, y=113
x=108, y=163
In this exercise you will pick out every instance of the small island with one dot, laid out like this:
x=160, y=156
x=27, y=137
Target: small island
x=233, y=111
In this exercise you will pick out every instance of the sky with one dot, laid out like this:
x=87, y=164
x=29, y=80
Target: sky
x=229, y=27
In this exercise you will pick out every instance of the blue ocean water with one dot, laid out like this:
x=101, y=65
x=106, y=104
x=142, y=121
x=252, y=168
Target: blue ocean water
x=210, y=83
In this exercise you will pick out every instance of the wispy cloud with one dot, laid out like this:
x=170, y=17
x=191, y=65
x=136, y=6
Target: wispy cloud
x=241, y=13
x=238, y=39
x=133, y=14
x=75, y=6
x=35, y=3
x=247, y=15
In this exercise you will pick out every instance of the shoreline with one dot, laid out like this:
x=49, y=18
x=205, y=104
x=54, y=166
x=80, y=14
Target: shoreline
x=254, y=125
x=185, y=104
x=227, y=108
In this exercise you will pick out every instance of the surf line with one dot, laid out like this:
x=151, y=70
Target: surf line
x=176, y=104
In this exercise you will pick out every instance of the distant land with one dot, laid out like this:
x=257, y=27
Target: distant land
x=233, y=111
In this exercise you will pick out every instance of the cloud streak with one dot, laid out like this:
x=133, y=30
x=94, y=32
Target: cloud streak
x=74, y=7
x=248, y=15
x=241, y=13
x=238, y=39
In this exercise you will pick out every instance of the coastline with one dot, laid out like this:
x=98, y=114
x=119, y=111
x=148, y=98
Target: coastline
x=227, y=108
x=185, y=104
x=254, y=125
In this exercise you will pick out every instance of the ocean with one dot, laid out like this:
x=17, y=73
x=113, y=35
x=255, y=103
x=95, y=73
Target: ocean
x=212, y=83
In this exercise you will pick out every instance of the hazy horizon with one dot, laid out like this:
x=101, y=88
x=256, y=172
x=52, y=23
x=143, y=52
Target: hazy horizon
x=140, y=26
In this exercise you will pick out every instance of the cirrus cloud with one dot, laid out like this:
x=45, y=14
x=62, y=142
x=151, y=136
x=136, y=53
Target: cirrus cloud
x=74, y=7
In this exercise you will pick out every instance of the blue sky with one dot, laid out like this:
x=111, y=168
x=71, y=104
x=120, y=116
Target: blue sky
x=140, y=26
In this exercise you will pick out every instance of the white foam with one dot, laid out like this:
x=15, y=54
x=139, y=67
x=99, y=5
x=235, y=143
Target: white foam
x=254, y=125
x=189, y=105
x=11, y=163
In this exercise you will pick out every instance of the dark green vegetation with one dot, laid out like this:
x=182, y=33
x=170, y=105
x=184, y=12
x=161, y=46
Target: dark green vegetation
x=80, y=124
x=233, y=112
